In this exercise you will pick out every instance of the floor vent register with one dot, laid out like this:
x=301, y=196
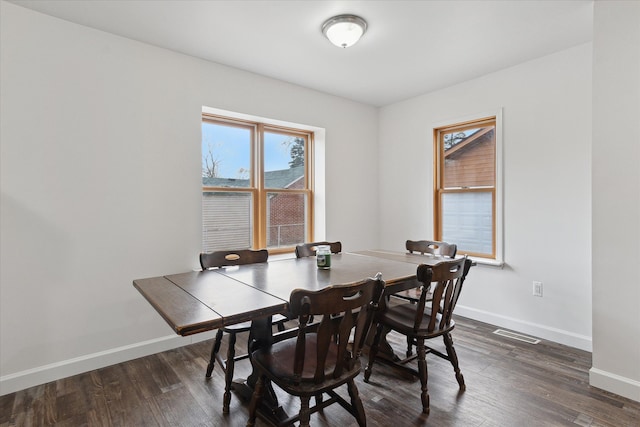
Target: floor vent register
x=515, y=336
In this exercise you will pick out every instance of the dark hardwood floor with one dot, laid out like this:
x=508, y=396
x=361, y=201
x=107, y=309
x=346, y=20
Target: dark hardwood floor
x=509, y=383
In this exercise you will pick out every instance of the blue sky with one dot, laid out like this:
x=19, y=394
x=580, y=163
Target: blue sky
x=231, y=147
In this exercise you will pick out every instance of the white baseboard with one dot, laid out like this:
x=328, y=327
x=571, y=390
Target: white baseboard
x=608, y=381
x=613, y=383
x=55, y=371
x=560, y=336
x=43, y=374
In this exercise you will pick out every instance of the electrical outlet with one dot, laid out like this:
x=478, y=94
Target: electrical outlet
x=537, y=289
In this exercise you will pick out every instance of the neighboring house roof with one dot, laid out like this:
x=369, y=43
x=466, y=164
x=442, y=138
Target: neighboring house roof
x=273, y=179
x=283, y=178
x=224, y=182
x=467, y=142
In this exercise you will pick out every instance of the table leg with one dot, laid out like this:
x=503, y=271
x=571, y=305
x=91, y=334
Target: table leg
x=385, y=351
x=261, y=335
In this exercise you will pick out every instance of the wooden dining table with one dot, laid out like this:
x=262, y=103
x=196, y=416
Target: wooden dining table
x=198, y=301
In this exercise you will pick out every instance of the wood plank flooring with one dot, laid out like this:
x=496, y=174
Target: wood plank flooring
x=509, y=383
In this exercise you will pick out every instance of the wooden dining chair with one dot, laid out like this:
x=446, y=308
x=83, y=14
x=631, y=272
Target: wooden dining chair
x=219, y=259
x=425, y=247
x=432, y=247
x=322, y=357
x=309, y=249
x=420, y=323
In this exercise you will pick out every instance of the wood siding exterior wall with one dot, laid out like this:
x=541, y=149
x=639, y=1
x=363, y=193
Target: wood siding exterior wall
x=473, y=165
x=226, y=221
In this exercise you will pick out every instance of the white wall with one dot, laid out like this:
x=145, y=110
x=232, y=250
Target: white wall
x=99, y=152
x=616, y=198
x=546, y=105
x=100, y=185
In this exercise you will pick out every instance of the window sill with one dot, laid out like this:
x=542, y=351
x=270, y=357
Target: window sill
x=488, y=262
x=285, y=255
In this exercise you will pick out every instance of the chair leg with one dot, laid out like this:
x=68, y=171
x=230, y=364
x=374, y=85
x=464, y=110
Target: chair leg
x=424, y=374
x=356, y=404
x=214, y=352
x=255, y=401
x=409, y=341
x=228, y=377
x=305, y=413
x=453, y=358
x=373, y=350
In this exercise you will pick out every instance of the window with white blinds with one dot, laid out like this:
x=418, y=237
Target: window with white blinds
x=466, y=204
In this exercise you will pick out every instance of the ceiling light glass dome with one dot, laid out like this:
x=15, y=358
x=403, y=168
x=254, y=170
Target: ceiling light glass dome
x=344, y=30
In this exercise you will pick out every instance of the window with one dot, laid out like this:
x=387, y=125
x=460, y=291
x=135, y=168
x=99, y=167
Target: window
x=466, y=192
x=256, y=185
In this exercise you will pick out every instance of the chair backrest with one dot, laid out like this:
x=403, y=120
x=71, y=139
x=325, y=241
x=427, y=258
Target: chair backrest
x=432, y=247
x=232, y=257
x=343, y=309
x=309, y=249
x=448, y=277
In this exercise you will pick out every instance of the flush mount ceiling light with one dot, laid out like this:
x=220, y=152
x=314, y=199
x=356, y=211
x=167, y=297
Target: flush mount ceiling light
x=344, y=30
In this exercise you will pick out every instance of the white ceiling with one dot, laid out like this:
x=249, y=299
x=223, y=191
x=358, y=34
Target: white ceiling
x=410, y=48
